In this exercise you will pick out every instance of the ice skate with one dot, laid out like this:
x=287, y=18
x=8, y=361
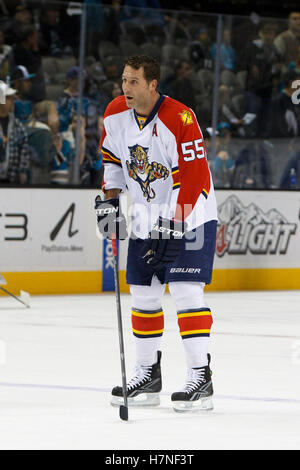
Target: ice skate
x=143, y=388
x=197, y=392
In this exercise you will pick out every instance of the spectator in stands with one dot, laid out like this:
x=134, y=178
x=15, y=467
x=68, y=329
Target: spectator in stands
x=60, y=165
x=263, y=66
x=225, y=137
x=40, y=138
x=226, y=112
x=175, y=29
x=101, y=124
x=222, y=162
x=91, y=168
x=97, y=89
x=112, y=68
x=241, y=124
x=142, y=11
x=244, y=30
x=200, y=50
x=5, y=55
x=179, y=85
x=112, y=90
x=288, y=41
x=252, y=167
x=112, y=27
x=290, y=178
x=27, y=53
x=14, y=152
x=295, y=64
x=20, y=79
x=52, y=153
x=22, y=16
x=51, y=36
x=82, y=140
x=210, y=152
x=95, y=73
x=285, y=120
x=68, y=102
x=95, y=23
x=222, y=168
x=227, y=52
x=67, y=108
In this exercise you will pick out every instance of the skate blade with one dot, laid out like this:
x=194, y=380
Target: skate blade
x=144, y=399
x=203, y=404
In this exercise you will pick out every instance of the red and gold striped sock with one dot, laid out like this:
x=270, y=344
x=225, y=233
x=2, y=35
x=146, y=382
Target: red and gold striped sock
x=194, y=322
x=147, y=323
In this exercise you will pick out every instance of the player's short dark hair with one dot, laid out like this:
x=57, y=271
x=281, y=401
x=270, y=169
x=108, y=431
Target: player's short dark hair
x=150, y=65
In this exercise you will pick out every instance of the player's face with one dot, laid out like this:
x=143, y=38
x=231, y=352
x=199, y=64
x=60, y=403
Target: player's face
x=138, y=92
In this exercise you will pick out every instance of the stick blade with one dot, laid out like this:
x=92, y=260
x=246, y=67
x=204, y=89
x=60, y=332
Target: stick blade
x=25, y=297
x=124, y=413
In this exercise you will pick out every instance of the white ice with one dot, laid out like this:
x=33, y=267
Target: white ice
x=60, y=359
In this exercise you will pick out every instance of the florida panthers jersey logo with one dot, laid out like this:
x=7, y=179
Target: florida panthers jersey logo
x=144, y=172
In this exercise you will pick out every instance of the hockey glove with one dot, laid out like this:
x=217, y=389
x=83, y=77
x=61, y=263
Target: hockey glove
x=163, y=244
x=110, y=219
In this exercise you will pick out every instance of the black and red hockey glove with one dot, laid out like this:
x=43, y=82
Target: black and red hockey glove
x=163, y=243
x=110, y=219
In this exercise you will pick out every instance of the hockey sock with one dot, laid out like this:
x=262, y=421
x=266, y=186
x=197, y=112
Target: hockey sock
x=147, y=321
x=194, y=326
x=194, y=320
x=147, y=328
x=196, y=352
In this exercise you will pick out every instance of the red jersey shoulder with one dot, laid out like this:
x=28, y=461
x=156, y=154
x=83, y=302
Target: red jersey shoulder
x=175, y=115
x=118, y=105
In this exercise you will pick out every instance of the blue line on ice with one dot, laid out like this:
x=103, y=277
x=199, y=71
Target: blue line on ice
x=78, y=388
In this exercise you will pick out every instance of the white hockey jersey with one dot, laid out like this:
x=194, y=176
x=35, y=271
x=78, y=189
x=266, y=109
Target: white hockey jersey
x=162, y=164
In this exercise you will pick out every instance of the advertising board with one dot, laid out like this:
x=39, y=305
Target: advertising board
x=48, y=241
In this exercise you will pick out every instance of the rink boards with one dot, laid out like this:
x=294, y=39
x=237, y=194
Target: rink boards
x=49, y=245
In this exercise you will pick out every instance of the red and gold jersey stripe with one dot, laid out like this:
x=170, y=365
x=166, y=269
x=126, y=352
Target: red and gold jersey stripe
x=109, y=157
x=175, y=176
x=205, y=193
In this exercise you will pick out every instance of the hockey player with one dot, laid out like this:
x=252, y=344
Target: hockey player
x=152, y=145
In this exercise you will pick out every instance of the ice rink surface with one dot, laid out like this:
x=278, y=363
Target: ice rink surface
x=60, y=359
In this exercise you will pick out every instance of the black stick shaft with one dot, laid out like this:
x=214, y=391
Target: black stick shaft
x=123, y=410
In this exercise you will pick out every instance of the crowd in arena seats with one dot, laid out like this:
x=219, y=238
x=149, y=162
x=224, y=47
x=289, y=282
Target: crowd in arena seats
x=256, y=143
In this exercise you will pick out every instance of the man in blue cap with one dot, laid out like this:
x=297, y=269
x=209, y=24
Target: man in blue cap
x=200, y=50
x=21, y=81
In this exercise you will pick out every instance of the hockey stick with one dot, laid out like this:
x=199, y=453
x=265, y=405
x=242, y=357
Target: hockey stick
x=24, y=298
x=123, y=408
